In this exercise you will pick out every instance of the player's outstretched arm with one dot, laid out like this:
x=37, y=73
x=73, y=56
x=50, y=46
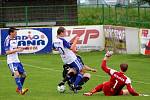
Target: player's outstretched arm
x=89, y=68
x=104, y=64
x=14, y=51
x=73, y=46
x=131, y=90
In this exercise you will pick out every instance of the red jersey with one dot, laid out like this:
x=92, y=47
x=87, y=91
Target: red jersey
x=117, y=81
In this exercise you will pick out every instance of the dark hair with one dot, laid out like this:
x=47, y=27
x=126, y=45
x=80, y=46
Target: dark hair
x=124, y=67
x=11, y=29
x=60, y=29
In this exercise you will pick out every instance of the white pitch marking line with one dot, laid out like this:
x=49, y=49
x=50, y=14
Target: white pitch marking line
x=140, y=82
x=42, y=68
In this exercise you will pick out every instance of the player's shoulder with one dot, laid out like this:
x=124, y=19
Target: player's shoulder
x=7, y=40
x=112, y=71
x=56, y=39
x=128, y=80
x=62, y=39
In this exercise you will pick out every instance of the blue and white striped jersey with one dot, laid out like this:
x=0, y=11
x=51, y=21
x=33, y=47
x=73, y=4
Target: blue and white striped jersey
x=63, y=46
x=11, y=44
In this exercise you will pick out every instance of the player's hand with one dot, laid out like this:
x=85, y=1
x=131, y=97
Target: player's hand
x=93, y=70
x=20, y=49
x=143, y=95
x=25, y=48
x=109, y=54
x=88, y=94
x=77, y=38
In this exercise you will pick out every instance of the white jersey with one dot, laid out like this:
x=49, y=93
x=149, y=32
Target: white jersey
x=67, y=55
x=11, y=44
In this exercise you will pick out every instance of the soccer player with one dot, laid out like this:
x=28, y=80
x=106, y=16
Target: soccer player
x=117, y=81
x=85, y=78
x=68, y=57
x=14, y=64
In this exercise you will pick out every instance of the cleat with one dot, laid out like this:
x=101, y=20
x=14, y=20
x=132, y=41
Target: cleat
x=79, y=88
x=17, y=90
x=24, y=91
x=61, y=83
x=70, y=85
x=74, y=89
x=88, y=94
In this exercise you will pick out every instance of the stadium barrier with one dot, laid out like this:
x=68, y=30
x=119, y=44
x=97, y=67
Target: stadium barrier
x=94, y=37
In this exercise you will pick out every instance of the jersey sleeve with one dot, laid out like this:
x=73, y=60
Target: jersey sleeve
x=80, y=59
x=66, y=43
x=128, y=81
x=53, y=46
x=7, y=44
x=131, y=90
x=104, y=67
x=112, y=71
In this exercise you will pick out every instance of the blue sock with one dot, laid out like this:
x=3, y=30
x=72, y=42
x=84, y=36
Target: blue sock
x=18, y=82
x=22, y=80
x=78, y=79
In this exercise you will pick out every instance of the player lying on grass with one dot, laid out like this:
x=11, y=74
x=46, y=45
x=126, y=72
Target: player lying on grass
x=85, y=76
x=14, y=64
x=117, y=81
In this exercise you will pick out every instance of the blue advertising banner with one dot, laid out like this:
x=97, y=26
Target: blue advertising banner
x=35, y=40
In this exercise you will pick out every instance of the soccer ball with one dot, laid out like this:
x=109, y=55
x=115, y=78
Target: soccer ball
x=61, y=88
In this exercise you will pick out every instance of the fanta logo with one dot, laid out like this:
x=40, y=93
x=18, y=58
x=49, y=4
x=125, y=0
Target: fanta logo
x=33, y=40
x=87, y=33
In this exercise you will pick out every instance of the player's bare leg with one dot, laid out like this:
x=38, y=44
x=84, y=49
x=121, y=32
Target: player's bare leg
x=96, y=89
x=125, y=92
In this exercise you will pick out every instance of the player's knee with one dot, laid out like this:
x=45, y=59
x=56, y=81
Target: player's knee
x=125, y=92
x=16, y=74
x=71, y=74
x=24, y=75
x=86, y=77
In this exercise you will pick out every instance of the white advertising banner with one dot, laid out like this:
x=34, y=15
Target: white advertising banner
x=115, y=38
x=91, y=37
x=144, y=36
x=132, y=40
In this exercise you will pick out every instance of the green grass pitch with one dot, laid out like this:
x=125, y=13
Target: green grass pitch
x=44, y=73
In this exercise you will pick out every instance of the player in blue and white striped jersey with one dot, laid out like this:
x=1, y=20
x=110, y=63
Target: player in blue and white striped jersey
x=68, y=56
x=16, y=68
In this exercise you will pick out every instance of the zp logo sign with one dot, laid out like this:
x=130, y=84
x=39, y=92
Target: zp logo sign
x=85, y=34
x=90, y=37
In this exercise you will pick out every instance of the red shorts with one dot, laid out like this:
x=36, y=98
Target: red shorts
x=108, y=91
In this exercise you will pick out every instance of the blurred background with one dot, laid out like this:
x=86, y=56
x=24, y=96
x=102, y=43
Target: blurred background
x=134, y=13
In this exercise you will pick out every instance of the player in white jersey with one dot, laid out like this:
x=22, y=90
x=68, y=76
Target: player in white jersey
x=68, y=56
x=16, y=68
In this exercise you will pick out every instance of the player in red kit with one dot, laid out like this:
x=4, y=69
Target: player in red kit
x=117, y=81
